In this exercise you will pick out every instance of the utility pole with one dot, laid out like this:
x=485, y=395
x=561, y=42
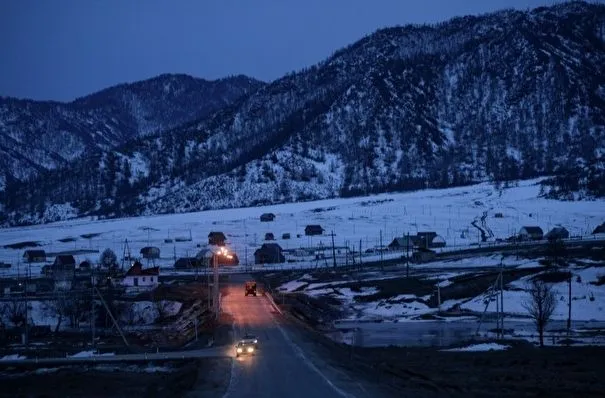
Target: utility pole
x=26, y=334
x=92, y=308
x=381, y=263
x=502, y=296
x=407, y=256
x=569, y=305
x=245, y=245
x=333, y=250
x=208, y=281
x=439, y=297
x=215, y=290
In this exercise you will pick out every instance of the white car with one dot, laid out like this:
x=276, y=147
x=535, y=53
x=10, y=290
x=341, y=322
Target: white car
x=243, y=348
x=250, y=339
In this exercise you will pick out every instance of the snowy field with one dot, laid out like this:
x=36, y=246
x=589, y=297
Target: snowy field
x=449, y=212
x=588, y=297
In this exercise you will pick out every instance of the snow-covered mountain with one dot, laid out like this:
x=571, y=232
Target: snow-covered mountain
x=501, y=96
x=44, y=135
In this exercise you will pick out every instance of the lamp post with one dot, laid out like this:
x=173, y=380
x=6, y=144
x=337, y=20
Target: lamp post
x=222, y=251
x=215, y=290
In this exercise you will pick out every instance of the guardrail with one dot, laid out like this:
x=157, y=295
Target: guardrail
x=272, y=302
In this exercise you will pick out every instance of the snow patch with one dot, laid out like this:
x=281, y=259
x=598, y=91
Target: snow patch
x=480, y=347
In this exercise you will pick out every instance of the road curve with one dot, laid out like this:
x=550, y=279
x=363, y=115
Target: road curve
x=280, y=368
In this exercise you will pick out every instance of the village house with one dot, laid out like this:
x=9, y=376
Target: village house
x=216, y=238
x=425, y=238
x=34, y=256
x=64, y=262
x=404, y=243
x=421, y=239
x=531, y=233
x=557, y=233
x=137, y=277
x=267, y=217
x=311, y=230
x=63, y=271
x=269, y=253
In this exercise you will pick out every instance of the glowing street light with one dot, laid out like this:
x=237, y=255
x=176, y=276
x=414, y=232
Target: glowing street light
x=216, y=253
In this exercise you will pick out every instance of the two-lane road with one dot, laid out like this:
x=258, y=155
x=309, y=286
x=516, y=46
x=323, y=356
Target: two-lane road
x=280, y=368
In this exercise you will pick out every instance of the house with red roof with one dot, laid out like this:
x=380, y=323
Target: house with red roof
x=139, y=277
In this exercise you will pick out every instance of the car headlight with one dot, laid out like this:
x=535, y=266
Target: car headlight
x=255, y=341
x=250, y=349
x=239, y=350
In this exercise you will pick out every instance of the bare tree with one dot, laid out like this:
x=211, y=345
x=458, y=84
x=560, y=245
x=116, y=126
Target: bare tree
x=540, y=305
x=72, y=306
x=14, y=311
x=108, y=258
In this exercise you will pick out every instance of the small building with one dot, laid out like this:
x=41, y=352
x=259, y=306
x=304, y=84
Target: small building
x=499, y=215
x=425, y=239
x=557, y=233
x=187, y=263
x=267, y=217
x=403, y=243
x=150, y=252
x=34, y=256
x=423, y=255
x=63, y=271
x=285, y=236
x=269, y=236
x=531, y=233
x=311, y=230
x=138, y=277
x=269, y=253
x=216, y=238
x=64, y=262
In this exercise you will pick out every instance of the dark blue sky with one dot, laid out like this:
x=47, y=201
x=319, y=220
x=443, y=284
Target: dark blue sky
x=62, y=49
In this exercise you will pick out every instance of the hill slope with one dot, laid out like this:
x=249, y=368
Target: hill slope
x=39, y=135
x=495, y=97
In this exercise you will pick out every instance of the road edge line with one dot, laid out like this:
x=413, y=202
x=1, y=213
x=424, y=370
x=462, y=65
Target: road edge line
x=272, y=302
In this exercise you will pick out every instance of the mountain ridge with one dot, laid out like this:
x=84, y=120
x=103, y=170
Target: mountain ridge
x=60, y=132
x=501, y=96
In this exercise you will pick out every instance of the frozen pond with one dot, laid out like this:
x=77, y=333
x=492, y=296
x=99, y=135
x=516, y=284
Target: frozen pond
x=446, y=333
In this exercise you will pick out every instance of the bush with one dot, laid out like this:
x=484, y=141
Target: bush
x=600, y=281
x=553, y=277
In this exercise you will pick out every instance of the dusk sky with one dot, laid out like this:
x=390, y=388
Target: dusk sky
x=63, y=49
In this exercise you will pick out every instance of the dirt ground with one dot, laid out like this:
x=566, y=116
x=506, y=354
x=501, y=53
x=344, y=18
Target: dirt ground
x=523, y=370
x=80, y=381
x=190, y=378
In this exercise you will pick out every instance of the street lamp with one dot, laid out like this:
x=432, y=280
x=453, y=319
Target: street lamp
x=216, y=253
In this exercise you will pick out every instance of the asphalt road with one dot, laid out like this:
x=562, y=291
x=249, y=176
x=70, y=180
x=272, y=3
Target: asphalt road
x=284, y=365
